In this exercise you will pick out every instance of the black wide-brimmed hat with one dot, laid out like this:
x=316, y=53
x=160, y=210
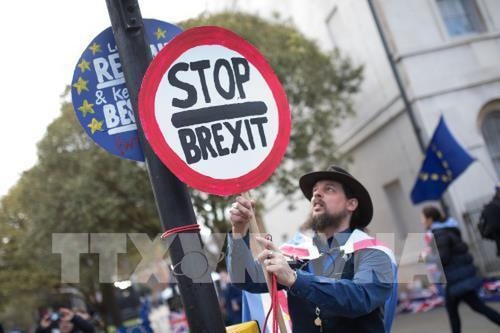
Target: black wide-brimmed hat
x=364, y=213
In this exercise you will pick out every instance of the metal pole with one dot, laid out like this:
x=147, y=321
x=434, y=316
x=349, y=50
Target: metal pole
x=399, y=82
x=172, y=198
x=402, y=90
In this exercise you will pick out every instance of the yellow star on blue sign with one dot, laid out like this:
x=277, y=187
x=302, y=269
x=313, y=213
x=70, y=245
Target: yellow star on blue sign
x=95, y=48
x=159, y=33
x=95, y=125
x=81, y=85
x=84, y=65
x=86, y=108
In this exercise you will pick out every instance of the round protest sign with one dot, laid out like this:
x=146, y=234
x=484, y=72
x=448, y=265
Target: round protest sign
x=214, y=111
x=99, y=94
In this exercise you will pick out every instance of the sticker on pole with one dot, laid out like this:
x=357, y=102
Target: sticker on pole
x=99, y=94
x=214, y=112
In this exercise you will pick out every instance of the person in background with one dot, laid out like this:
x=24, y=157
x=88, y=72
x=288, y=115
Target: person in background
x=462, y=281
x=232, y=300
x=490, y=219
x=64, y=321
x=144, y=312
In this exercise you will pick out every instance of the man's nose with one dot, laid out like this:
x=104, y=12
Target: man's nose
x=317, y=194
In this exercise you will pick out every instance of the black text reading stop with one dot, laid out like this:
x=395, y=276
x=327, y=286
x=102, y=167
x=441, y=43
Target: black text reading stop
x=200, y=141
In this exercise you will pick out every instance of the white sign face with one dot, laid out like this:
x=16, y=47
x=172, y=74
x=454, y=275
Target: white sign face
x=214, y=112
x=225, y=123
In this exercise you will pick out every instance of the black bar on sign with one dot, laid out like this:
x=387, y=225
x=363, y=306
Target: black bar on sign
x=217, y=113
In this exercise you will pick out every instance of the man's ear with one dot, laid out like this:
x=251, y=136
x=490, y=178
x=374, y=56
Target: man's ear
x=352, y=204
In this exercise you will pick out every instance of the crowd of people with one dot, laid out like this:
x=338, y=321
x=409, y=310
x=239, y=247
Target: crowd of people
x=340, y=290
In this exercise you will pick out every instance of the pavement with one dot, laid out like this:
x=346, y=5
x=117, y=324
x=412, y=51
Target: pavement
x=436, y=321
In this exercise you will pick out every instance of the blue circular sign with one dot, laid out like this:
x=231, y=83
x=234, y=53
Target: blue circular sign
x=100, y=97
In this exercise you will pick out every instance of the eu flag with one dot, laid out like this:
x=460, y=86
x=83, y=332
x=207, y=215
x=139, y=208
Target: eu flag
x=444, y=161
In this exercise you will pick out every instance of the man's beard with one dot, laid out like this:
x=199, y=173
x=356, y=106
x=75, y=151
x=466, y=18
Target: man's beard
x=321, y=222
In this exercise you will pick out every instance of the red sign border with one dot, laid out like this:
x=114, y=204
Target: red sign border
x=211, y=35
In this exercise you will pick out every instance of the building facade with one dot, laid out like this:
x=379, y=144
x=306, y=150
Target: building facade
x=447, y=53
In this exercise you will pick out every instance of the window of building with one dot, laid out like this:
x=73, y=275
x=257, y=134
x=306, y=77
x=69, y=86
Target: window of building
x=491, y=133
x=461, y=17
x=397, y=202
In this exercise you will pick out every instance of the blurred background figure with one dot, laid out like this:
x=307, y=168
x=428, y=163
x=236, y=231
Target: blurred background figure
x=64, y=321
x=432, y=262
x=144, y=312
x=459, y=270
x=489, y=225
x=231, y=300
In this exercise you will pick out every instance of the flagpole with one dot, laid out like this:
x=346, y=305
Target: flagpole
x=402, y=91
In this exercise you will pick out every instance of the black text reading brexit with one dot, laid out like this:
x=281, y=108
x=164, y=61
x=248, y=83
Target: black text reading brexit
x=202, y=141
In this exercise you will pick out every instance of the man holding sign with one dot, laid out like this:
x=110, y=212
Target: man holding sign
x=346, y=288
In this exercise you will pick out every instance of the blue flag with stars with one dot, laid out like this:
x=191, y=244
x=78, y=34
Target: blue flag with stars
x=445, y=159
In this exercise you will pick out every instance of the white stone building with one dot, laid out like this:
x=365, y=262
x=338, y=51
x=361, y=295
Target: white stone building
x=447, y=53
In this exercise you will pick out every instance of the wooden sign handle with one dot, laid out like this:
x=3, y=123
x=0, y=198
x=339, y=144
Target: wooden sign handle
x=257, y=248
